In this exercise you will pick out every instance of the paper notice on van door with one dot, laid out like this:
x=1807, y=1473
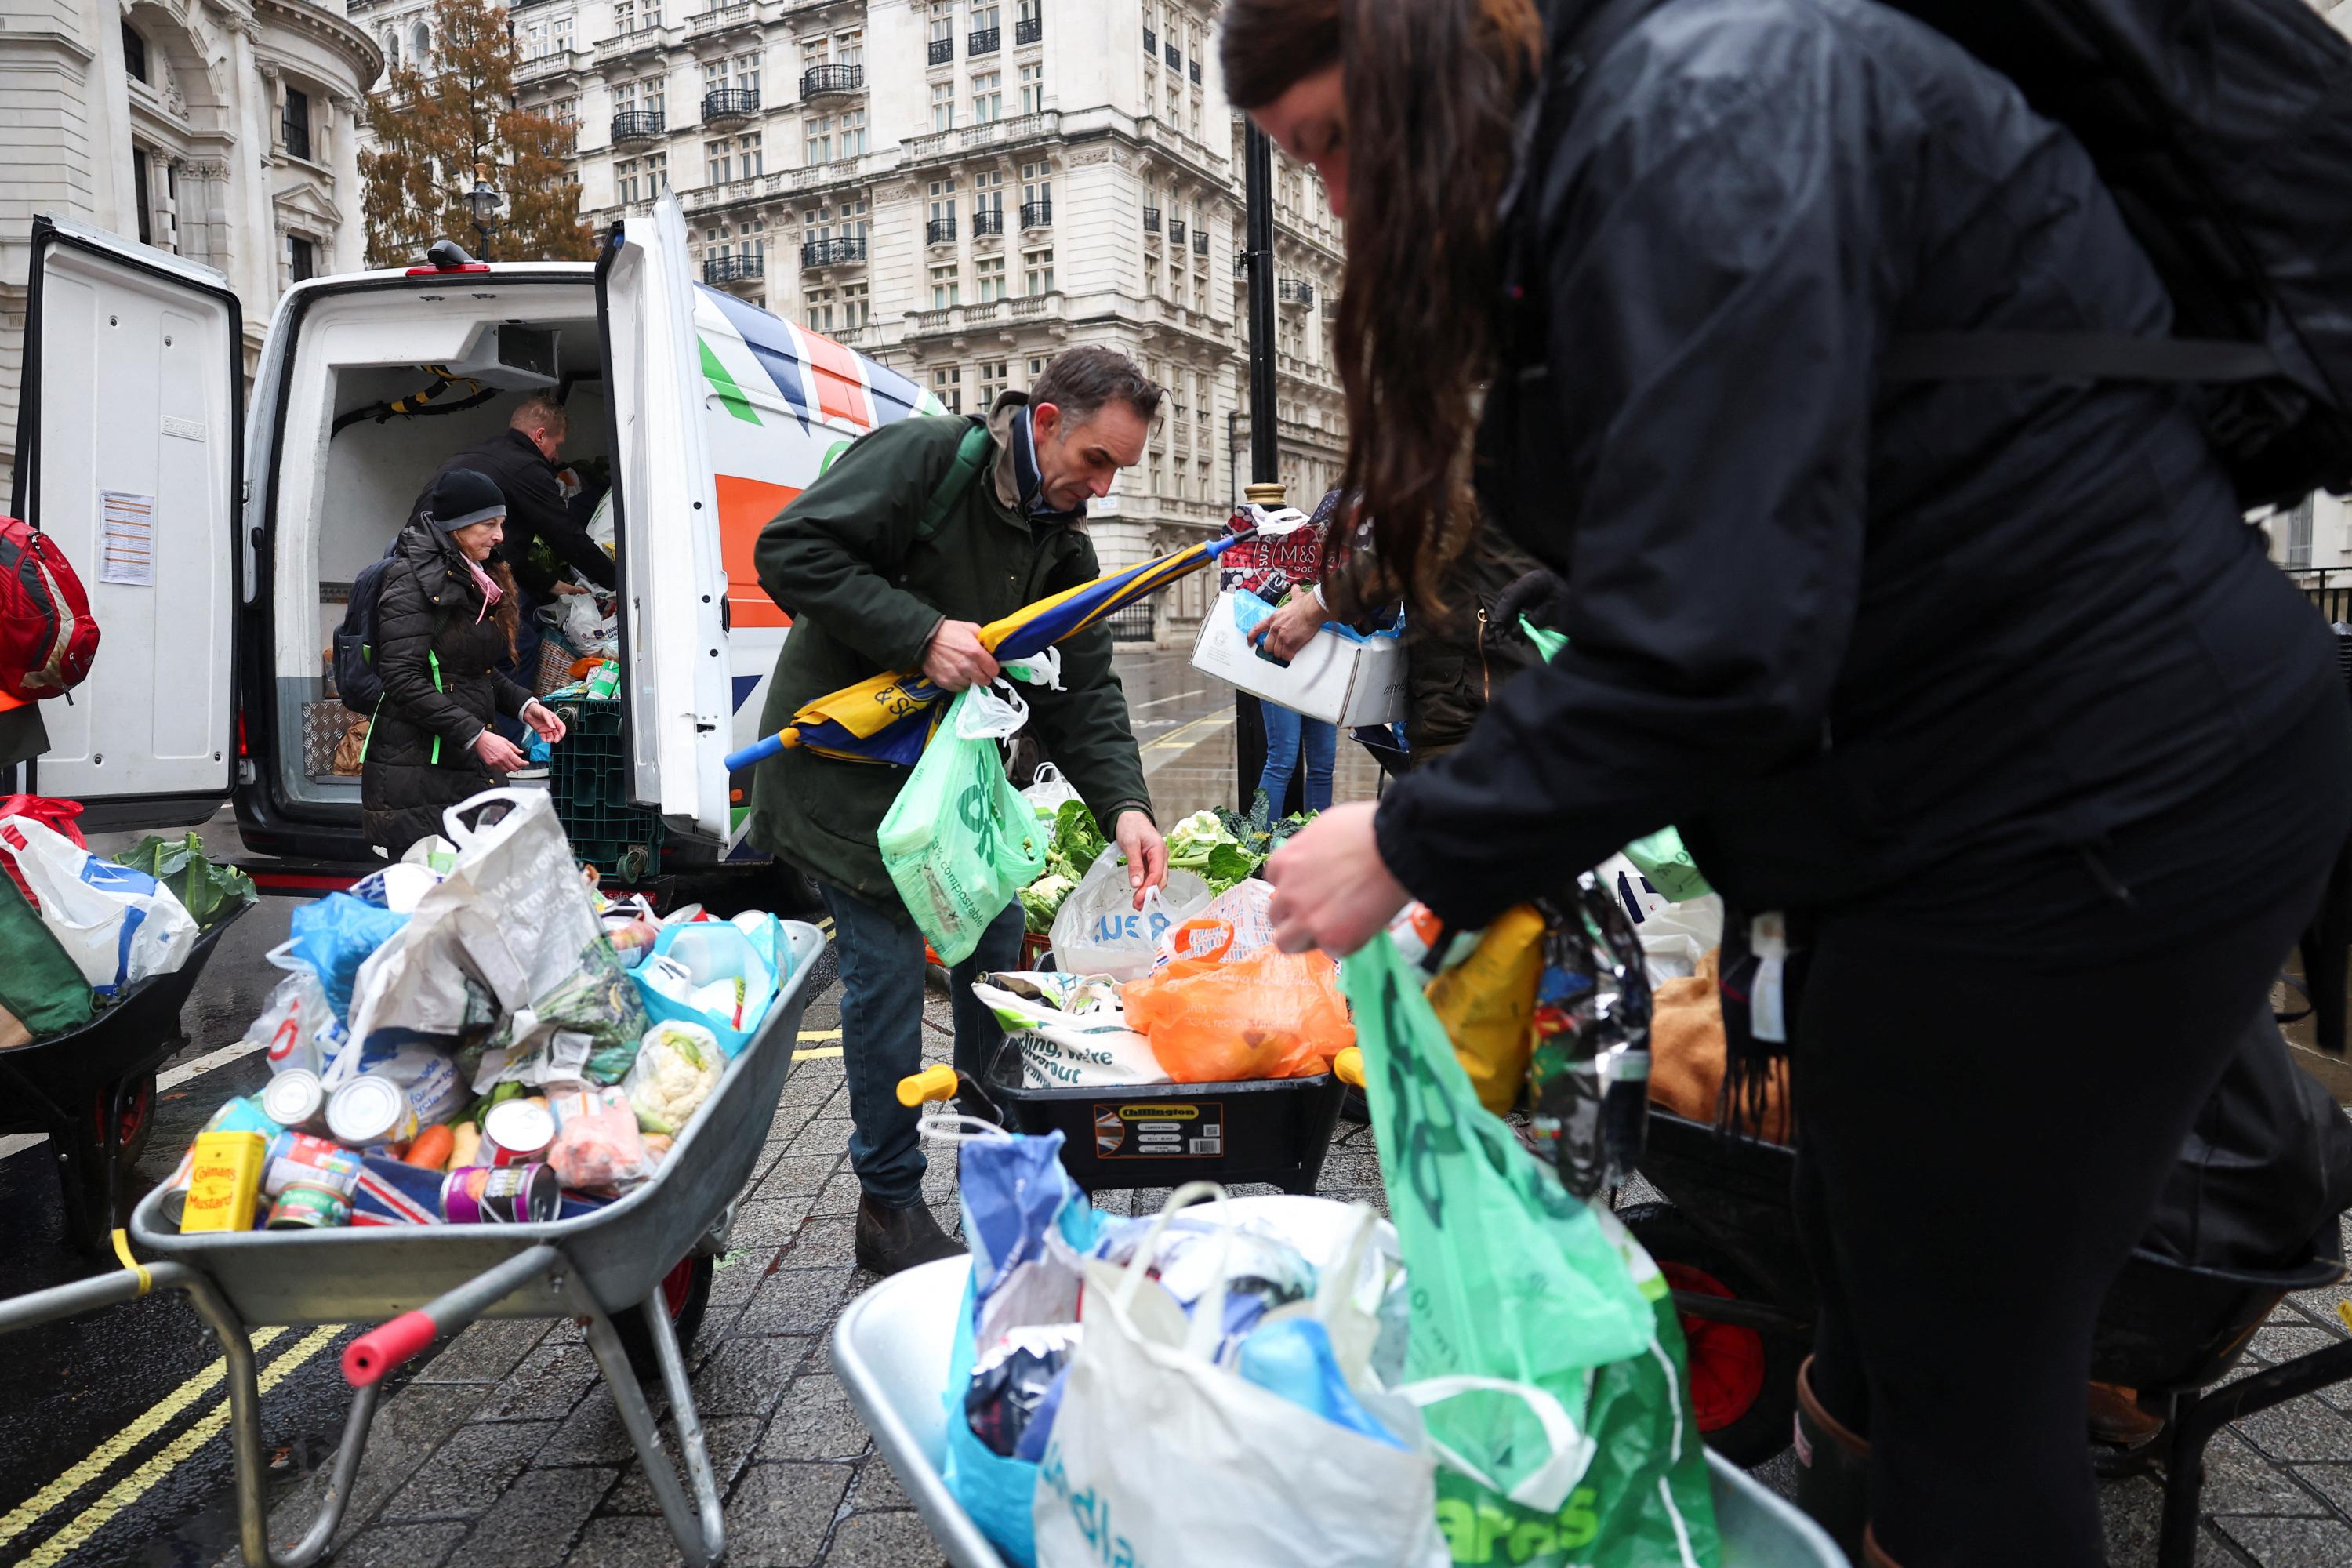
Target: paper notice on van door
x=126, y=538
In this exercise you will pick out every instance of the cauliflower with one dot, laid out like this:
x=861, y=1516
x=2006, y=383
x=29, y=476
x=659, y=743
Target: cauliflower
x=677, y=1069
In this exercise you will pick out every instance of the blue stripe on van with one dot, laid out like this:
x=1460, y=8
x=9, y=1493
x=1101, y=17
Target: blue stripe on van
x=770, y=343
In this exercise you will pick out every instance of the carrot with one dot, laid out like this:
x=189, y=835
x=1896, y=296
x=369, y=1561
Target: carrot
x=431, y=1148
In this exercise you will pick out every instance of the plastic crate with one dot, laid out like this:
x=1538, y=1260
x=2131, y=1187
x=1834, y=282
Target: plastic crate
x=589, y=776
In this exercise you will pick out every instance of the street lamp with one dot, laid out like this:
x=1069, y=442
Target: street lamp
x=484, y=204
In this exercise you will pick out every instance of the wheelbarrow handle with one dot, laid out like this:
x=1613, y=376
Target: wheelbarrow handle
x=1347, y=1067
x=937, y=1082
x=369, y=1358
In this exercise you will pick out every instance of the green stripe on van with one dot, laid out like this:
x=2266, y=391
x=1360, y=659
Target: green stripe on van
x=724, y=384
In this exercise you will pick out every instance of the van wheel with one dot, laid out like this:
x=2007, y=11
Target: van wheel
x=686, y=1291
x=1743, y=1383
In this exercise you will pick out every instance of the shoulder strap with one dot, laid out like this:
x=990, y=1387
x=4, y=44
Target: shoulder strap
x=971, y=456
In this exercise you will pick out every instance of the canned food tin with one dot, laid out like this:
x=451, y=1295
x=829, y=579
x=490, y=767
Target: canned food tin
x=242, y=1114
x=296, y=1099
x=368, y=1112
x=501, y=1194
x=516, y=1132
x=306, y=1207
x=297, y=1159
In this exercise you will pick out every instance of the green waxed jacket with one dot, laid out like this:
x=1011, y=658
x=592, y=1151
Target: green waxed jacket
x=866, y=595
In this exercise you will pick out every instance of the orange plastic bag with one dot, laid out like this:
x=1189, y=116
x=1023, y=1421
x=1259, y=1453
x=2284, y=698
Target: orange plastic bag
x=1268, y=1014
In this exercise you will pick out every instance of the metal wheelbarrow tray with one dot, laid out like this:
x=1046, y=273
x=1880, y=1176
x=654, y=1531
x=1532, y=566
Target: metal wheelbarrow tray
x=890, y=1351
x=432, y=1281
x=92, y=1091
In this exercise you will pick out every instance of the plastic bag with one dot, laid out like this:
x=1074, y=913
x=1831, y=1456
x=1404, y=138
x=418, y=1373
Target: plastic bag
x=1270, y=1014
x=597, y=1147
x=1069, y=1029
x=1487, y=1004
x=209, y=893
x=711, y=973
x=588, y=1026
x=1661, y=858
x=297, y=1027
x=1098, y=929
x=1049, y=790
x=960, y=842
x=676, y=1070
x=117, y=925
x=1513, y=1278
x=337, y=934
x=1246, y=909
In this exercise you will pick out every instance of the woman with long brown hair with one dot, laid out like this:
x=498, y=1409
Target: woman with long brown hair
x=1983, y=683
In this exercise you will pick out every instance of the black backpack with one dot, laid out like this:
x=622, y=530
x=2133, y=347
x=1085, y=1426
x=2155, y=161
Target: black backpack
x=2224, y=129
x=356, y=682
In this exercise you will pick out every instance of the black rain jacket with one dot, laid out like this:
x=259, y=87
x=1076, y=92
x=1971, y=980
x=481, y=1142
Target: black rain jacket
x=1842, y=634
x=535, y=509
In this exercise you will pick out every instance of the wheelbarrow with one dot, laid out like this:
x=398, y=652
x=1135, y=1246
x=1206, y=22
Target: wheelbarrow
x=615, y=1263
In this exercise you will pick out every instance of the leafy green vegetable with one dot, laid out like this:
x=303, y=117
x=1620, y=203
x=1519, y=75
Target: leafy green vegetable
x=1076, y=841
x=1228, y=864
x=1041, y=900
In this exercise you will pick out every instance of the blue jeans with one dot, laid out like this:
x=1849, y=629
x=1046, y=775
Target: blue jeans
x=1286, y=735
x=880, y=954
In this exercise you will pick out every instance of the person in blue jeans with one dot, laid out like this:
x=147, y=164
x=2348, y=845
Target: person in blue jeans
x=1288, y=737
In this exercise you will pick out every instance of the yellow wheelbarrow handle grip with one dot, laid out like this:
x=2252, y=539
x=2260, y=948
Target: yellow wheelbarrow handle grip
x=1348, y=1067
x=931, y=1083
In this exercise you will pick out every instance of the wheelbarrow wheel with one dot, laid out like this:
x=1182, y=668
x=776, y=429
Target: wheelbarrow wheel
x=138, y=1117
x=686, y=1291
x=1743, y=1382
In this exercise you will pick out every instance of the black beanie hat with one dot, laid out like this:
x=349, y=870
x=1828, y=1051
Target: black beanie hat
x=461, y=497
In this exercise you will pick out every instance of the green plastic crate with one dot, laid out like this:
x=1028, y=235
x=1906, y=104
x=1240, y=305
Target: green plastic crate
x=589, y=776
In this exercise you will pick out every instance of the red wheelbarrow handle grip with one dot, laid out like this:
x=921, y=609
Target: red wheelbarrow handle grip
x=374, y=1353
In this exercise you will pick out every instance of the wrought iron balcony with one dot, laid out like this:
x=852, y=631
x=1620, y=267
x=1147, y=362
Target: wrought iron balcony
x=1152, y=220
x=722, y=104
x=1295, y=292
x=1029, y=30
x=1194, y=67
x=1174, y=56
x=985, y=42
x=733, y=269
x=1150, y=42
x=1037, y=215
x=942, y=51
x=817, y=81
x=1200, y=242
x=637, y=125
x=1175, y=232
x=987, y=220
x=939, y=231
x=833, y=252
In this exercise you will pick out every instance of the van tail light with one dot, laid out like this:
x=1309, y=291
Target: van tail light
x=437, y=271
x=242, y=748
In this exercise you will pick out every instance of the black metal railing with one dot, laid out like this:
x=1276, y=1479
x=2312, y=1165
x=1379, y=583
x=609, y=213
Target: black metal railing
x=1152, y=220
x=733, y=269
x=833, y=252
x=1029, y=30
x=987, y=220
x=1037, y=215
x=1131, y=622
x=939, y=231
x=825, y=79
x=1193, y=65
x=637, y=125
x=1150, y=42
x=1175, y=56
x=1200, y=242
x=2333, y=599
x=942, y=51
x=1175, y=232
x=297, y=139
x=1295, y=292
x=985, y=42
x=729, y=103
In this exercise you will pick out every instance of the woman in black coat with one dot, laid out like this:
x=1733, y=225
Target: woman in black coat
x=1984, y=685
x=445, y=615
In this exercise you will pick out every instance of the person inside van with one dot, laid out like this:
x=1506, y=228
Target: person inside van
x=1982, y=685
x=446, y=613
x=522, y=462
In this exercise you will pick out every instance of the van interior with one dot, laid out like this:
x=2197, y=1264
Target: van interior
x=350, y=468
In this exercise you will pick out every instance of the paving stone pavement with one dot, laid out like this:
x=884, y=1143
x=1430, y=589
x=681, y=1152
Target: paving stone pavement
x=506, y=1450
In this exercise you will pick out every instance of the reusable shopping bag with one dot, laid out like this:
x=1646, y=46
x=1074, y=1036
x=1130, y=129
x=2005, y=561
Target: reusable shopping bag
x=960, y=842
x=1515, y=1281
x=119, y=925
x=42, y=991
x=711, y=973
x=1069, y=1029
x=1098, y=929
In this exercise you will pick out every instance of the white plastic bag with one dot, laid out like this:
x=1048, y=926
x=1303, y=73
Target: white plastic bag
x=1049, y=790
x=1247, y=907
x=1674, y=937
x=297, y=1027
x=1098, y=929
x=119, y=925
x=991, y=713
x=1069, y=1029
x=1160, y=1456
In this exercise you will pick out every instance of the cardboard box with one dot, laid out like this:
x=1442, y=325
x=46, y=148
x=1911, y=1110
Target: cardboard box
x=1333, y=678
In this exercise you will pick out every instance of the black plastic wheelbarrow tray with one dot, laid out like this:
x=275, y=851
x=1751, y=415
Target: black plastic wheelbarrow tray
x=2169, y=1329
x=431, y=1280
x=92, y=1091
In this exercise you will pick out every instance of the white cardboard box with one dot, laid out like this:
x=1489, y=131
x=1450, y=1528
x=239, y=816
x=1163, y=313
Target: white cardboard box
x=1333, y=678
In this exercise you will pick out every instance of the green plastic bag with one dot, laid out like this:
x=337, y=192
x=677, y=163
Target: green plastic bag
x=1514, y=1279
x=211, y=893
x=960, y=843
x=42, y=991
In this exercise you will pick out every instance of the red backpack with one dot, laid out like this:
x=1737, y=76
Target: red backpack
x=47, y=636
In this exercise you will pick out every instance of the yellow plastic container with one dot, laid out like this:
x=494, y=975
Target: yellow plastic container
x=224, y=1181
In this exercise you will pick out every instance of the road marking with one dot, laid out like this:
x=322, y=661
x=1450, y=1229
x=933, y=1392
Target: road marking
x=136, y=1484
x=815, y=1052
x=819, y=1033
x=102, y=1458
x=1175, y=738
x=1160, y=701
x=177, y=1076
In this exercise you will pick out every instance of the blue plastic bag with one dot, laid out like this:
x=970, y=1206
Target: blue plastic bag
x=1294, y=1359
x=335, y=936
x=699, y=953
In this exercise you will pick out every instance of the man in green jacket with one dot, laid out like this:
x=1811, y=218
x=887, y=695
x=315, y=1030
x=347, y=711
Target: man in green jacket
x=879, y=576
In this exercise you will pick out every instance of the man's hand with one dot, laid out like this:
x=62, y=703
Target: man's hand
x=562, y=589
x=498, y=753
x=542, y=718
x=955, y=658
x=1332, y=889
x=1289, y=629
x=1138, y=838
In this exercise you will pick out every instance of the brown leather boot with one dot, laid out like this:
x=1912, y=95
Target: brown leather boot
x=1832, y=1470
x=889, y=1240
x=1874, y=1555
x=2116, y=1417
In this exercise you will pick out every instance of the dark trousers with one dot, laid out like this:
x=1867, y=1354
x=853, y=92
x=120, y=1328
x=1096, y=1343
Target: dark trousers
x=524, y=668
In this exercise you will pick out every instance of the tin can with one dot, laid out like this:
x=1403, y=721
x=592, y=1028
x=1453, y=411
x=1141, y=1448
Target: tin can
x=299, y=1160
x=516, y=1132
x=226, y=1182
x=295, y=1099
x=370, y=1112
x=303, y=1206
x=242, y=1114
x=501, y=1194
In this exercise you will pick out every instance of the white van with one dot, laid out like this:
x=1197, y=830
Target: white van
x=218, y=535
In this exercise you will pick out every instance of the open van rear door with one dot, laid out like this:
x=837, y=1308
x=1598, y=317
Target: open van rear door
x=128, y=453
x=679, y=706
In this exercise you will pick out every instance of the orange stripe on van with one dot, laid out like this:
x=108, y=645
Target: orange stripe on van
x=840, y=381
x=745, y=507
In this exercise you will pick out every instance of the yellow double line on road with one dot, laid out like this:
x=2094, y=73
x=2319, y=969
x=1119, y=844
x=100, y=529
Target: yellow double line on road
x=1177, y=740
